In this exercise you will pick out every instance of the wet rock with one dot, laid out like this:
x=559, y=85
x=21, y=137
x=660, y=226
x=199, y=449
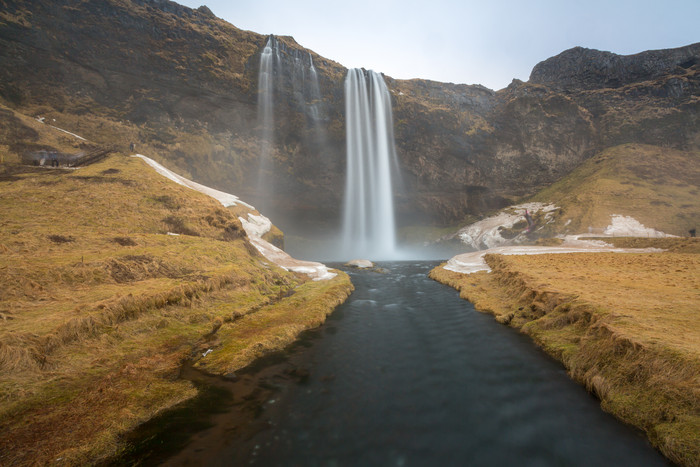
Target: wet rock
x=360, y=264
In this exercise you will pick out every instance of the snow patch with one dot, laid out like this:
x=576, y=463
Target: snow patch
x=41, y=120
x=626, y=226
x=485, y=233
x=226, y=199
x=68, y=132
x=255, y=227
x=317, y=271
x=468, y=263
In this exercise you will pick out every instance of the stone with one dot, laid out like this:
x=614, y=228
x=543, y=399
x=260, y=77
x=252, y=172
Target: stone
x=360, y=264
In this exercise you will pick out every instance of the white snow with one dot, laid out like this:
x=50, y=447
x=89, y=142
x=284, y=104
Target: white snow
x=226, y=199
x=255, y=226
x=485, y=233
x=468, y=263
x=41, y=120
x=626, y=226
x=65, y=131
x=317, y=271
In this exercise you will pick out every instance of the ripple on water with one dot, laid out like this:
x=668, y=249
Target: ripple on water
x=414, y=375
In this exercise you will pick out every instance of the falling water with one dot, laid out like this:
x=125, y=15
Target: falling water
x=266, y=117
x=368, y=223
x=315, y=92
x=288, y=78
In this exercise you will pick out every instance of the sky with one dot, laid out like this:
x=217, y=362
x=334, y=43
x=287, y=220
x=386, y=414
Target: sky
x=487, y=42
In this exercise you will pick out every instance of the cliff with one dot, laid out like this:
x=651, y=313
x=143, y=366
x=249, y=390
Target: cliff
x=182, y=84
x=580, y=68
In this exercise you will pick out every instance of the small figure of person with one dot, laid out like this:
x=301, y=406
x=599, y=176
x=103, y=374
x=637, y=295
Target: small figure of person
x=132, y=147
x=54, y=159
x=530, y=222
x=692, y=232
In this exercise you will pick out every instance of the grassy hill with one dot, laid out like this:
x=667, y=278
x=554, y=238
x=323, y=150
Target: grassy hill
x=657, y=186
x=100, y=306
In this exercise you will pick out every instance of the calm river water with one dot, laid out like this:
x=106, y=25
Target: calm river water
x=407, y=373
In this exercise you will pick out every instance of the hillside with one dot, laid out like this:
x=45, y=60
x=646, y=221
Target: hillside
x=627, y=190
x=112, y=277
x=657, y=186
x=182, y=85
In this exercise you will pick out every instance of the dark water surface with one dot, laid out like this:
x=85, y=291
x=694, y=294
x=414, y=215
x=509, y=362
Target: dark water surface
x=407, y=373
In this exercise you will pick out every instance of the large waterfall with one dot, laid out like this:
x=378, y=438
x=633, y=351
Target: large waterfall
x=368, y=222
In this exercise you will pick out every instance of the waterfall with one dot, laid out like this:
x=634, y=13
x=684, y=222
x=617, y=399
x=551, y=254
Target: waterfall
x=287, y=81
x=368, y=222
x=266, y=121
x=315, y=92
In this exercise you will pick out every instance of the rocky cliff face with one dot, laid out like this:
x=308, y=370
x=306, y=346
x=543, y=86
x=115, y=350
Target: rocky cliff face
x=182, y=84
x=580, y=68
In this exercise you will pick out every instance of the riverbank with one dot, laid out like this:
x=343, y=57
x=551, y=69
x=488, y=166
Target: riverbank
x=625, y=325
x=113, y=276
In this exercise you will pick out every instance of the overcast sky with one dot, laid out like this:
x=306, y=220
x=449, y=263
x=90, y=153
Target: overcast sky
x=487, y=42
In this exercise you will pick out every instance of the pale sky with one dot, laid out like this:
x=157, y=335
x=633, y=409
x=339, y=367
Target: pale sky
x=486, y=42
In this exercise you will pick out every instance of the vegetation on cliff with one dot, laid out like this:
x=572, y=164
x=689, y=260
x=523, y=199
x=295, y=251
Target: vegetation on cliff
x=101, y=303
x=624, y=325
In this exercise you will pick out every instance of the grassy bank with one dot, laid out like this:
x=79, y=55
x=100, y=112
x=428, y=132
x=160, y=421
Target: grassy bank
x=101, y=304
x=624, y=325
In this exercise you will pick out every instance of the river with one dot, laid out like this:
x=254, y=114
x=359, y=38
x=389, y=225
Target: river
x=407, y=373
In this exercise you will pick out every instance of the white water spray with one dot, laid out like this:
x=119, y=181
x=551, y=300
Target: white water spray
x=368, y=224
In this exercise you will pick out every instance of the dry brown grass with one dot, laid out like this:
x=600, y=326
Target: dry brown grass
x=99, y=307
x=675, y=245
x=658, y=186
x=624, y=325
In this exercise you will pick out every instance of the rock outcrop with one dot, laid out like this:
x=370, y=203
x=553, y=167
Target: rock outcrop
x=580, y=68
